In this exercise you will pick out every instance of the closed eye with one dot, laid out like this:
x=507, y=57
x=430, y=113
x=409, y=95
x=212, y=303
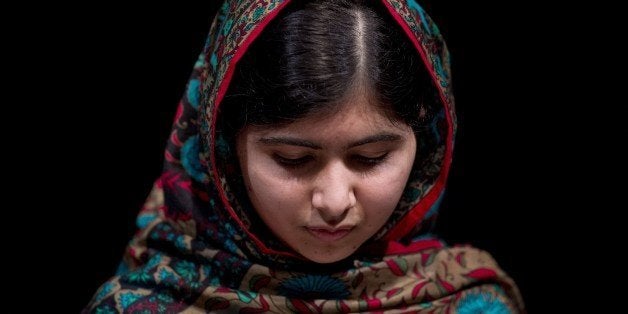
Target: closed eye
x=370, y=161
x=292, y=162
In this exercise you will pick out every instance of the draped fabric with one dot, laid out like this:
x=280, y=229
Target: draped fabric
x=197, y=248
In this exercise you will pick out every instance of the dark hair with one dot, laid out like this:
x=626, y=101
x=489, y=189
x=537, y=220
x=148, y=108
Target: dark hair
x=317, y=54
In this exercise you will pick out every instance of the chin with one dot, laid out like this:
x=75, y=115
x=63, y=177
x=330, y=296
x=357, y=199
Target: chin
x=327, y=257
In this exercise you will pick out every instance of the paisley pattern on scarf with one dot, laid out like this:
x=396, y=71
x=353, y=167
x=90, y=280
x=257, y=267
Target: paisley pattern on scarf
x=194, y=251
x=397, y=282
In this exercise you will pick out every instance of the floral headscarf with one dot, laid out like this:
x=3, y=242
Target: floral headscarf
x=197, y=249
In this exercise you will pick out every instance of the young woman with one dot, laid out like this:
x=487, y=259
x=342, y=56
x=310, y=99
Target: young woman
x=304, y=171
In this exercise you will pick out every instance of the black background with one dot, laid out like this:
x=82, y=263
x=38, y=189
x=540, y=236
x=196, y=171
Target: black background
x=102, y=83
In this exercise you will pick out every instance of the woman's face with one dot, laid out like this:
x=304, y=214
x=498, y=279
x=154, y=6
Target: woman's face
x=325, y=184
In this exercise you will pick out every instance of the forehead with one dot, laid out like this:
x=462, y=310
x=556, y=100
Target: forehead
x=357, y=115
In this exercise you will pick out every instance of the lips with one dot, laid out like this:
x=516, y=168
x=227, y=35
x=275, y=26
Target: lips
x=329, y=235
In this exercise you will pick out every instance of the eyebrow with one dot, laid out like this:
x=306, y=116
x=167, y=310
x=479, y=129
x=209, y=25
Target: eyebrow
x=288, y=141
x=382, y=137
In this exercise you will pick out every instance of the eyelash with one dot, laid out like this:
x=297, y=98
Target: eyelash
x=290, y=162
x=371, y=161
x=300, y=162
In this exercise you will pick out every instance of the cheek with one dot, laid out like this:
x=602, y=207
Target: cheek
x=380, y=194
x=273, y=195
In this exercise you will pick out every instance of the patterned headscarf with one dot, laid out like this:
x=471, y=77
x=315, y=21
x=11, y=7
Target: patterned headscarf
x=197, y=248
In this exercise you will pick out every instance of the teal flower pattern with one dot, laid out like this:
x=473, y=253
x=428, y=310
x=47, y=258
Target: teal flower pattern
x=481, y=302
x=190, y=160
x=313, y=287
x=126, y=299
x=104, y=291
x=193, y=92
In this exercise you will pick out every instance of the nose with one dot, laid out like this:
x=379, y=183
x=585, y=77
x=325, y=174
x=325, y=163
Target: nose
x=333, y=193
